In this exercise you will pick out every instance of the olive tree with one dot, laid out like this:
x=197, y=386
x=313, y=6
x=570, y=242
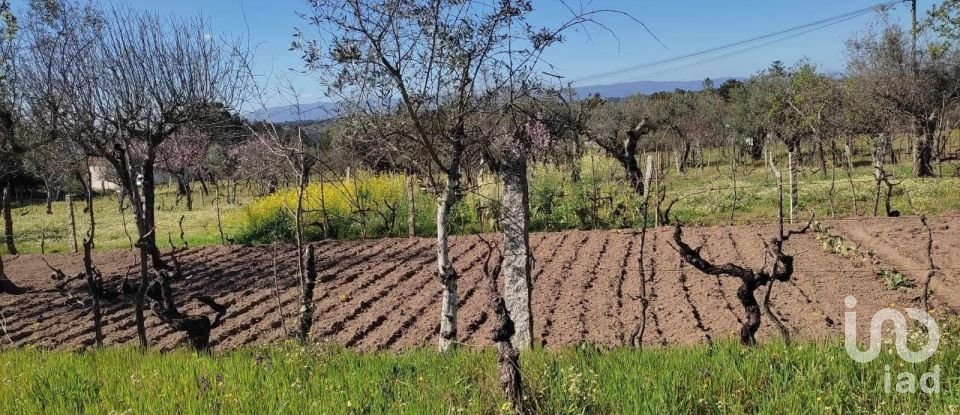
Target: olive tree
x=418, y=73
x=921, y=90
x=816, y=101
x=617, y=128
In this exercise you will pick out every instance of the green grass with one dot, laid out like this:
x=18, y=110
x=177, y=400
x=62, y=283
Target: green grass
x=725, y=379
x=33, y=226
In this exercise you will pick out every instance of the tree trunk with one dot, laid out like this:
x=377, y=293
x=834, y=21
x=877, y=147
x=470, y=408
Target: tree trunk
x=142, y=201
x=8, y=219
x=183, y=190
x=821, y=157
x=684, y=157
x=448, y=275
x=751, y=308
x=508, y=355
x=148, y=231
x=629, y=158
x=93, y=279
x=141, y=297
x=625, y=155
x=93, y=287
x=5, y=283
x=7, y=286
x=196, y=328
x=517, y=286
x=49, y=201
x=306, y=295
x=756, y=146
x=923, y=149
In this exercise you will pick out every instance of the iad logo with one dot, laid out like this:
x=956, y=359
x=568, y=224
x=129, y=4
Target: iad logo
x=906, y=381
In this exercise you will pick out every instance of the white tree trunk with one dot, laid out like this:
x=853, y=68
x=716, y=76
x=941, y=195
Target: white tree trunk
x=448, y=276
x=517, y=286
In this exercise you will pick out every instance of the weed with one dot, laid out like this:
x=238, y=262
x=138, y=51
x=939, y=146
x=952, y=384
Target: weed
x=894, y=279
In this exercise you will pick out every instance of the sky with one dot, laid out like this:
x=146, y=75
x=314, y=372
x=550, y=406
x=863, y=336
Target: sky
x=684, y=26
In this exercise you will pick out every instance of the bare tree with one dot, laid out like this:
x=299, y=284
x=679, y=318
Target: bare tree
x=11, y=149
x=137, y=83
x=416, y=74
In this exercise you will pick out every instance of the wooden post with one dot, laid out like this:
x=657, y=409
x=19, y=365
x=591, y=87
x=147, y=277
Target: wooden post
x=323, y=205
x=73, y=223
x=649, y=173
x=219, y=222
x=656, y=181
x=733, y=176
x=792, y=169
x=411, y=212
x=849, y=169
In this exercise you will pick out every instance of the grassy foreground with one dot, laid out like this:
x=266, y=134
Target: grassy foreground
x=807, y=378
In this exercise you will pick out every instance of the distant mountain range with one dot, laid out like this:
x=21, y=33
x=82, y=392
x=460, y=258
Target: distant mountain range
x=325, y=110
x=289, y=113
x=626, y=89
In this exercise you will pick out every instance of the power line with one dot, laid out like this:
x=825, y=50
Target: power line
x=748, y=49
x=819, y=24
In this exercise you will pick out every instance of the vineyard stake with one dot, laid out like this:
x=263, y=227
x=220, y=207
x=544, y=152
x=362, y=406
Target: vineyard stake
x=73, y=224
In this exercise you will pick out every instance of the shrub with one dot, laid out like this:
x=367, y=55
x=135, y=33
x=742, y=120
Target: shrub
x=264, y=229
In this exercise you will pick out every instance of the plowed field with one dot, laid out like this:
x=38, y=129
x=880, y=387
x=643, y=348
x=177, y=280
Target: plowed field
x=384, y=294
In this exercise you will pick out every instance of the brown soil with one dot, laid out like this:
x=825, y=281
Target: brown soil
x=902, y=244
x=384, y=294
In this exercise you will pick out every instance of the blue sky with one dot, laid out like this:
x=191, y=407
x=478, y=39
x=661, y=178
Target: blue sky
x=685, y=26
